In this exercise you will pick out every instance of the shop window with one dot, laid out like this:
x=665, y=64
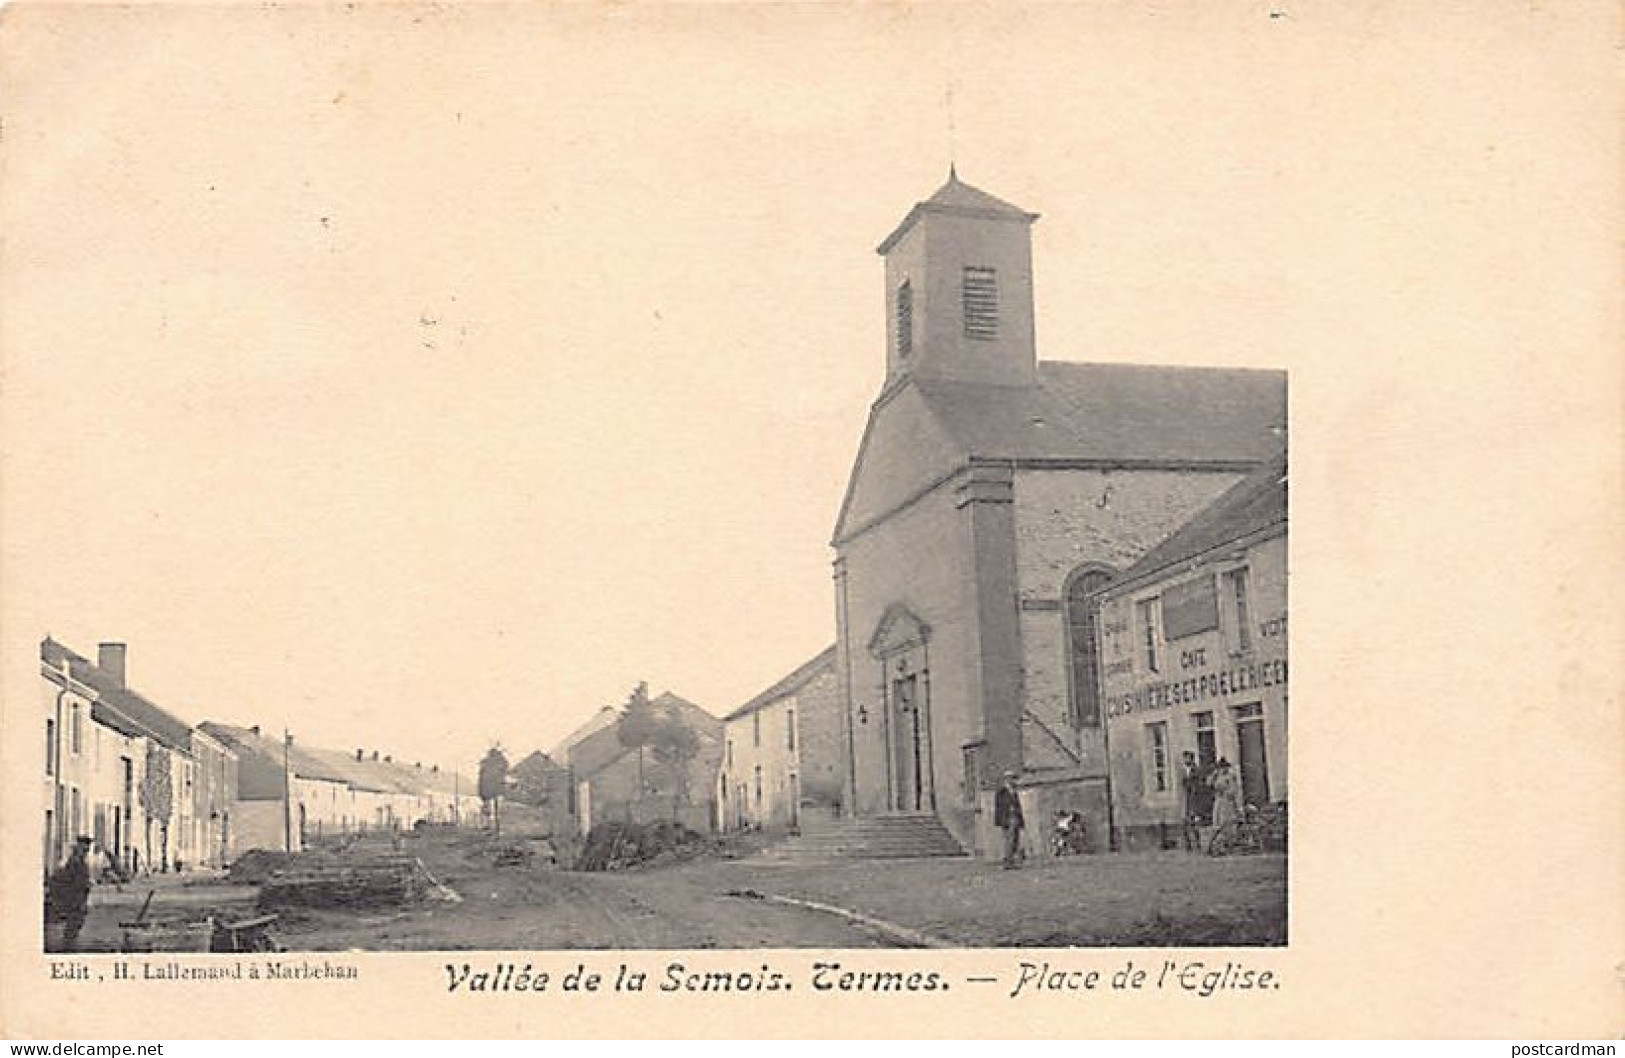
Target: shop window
x=1240, y=607
x=1156, y=756
x=1150, y=639
x=1207, y=739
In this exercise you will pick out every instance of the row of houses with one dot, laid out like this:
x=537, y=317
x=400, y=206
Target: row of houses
x=155, y=792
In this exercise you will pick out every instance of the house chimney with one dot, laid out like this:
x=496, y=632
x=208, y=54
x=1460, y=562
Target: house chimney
x=110, y=659
x=388, y=759
x=374, y=754
x=256, y=730
x=359, y=754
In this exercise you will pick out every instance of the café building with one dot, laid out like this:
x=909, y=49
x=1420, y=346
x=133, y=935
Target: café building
x=1193, y=658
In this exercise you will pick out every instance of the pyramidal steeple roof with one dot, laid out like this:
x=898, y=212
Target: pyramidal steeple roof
x=961, y=199
x=956, y=194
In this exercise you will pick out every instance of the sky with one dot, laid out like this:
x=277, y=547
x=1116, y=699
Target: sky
x=423, y=378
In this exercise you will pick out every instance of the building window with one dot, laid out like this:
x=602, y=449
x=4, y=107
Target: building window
x=76, y=731
x=758, y=777
x=1156, y=757
x=730, y=753
x=790, y=730
x=1146, y=612
x=1081, y=612
x=905, y=320
x=979, y=297
x=1235, y=590
x=50, y=747
x=1207, y=739
x=756, y=729
x=971, y=783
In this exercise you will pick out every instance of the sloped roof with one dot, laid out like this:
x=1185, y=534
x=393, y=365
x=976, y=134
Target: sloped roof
x=605, y=717
x=1119, y=413
x=119, y=707
x=788, y=685
x=362, y=774
x=1112, y=415
x=698, y=717
x=956, y=194
x=597, y=751
x=538, y=762
x=957, y=197
x=1252, y=505
x=1185, y=414
x=303, y=761
x=603, y=747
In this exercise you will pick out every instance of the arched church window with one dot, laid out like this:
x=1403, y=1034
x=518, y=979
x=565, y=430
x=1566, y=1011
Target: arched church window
x=1082, y=609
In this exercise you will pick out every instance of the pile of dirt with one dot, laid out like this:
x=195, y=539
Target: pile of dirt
x=615, y=846
x=383, y=881
x=256, y=865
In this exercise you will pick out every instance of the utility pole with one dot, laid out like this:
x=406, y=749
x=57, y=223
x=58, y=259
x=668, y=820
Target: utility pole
x=287, y=794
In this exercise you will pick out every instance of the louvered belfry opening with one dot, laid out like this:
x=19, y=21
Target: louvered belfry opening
x=905, y=320
x=980, y=300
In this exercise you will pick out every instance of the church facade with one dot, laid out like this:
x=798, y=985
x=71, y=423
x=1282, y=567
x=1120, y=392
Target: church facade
x=993, y=496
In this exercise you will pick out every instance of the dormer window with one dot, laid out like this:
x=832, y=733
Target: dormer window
x=979, y=297
x=905, y=320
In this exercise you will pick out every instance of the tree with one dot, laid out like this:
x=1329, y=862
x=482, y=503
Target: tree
x=675, y=745
x=157, y=798
x=637, y=727
x=493, y=784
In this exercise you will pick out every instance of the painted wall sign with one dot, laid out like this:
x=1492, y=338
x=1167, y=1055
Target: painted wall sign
x=1239, y=680
x=1190, y=608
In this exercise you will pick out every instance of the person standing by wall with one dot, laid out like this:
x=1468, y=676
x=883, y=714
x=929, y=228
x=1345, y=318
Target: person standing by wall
x=67, y=897
x=1008, y=818
x=1198, y=793
x=1226, y=805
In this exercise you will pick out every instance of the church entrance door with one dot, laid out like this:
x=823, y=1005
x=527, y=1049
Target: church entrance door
x=910, y=768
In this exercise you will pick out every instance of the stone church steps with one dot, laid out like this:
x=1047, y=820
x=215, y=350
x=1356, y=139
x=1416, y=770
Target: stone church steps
x=865, y=838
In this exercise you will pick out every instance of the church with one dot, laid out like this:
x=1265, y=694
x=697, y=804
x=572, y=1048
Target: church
x=993, y=496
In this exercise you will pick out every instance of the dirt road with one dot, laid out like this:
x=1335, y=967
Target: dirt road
x=545, y=909
x=1142, y=900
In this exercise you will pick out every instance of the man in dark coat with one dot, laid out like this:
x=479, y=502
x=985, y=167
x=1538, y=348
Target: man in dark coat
x=1007, y=817
x=1198, y=795
x=68, y=894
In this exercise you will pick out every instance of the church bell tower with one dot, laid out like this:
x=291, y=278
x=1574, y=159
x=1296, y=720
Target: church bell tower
x=959, y=290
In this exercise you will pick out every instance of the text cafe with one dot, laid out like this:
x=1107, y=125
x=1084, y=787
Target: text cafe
x=1193, y=659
